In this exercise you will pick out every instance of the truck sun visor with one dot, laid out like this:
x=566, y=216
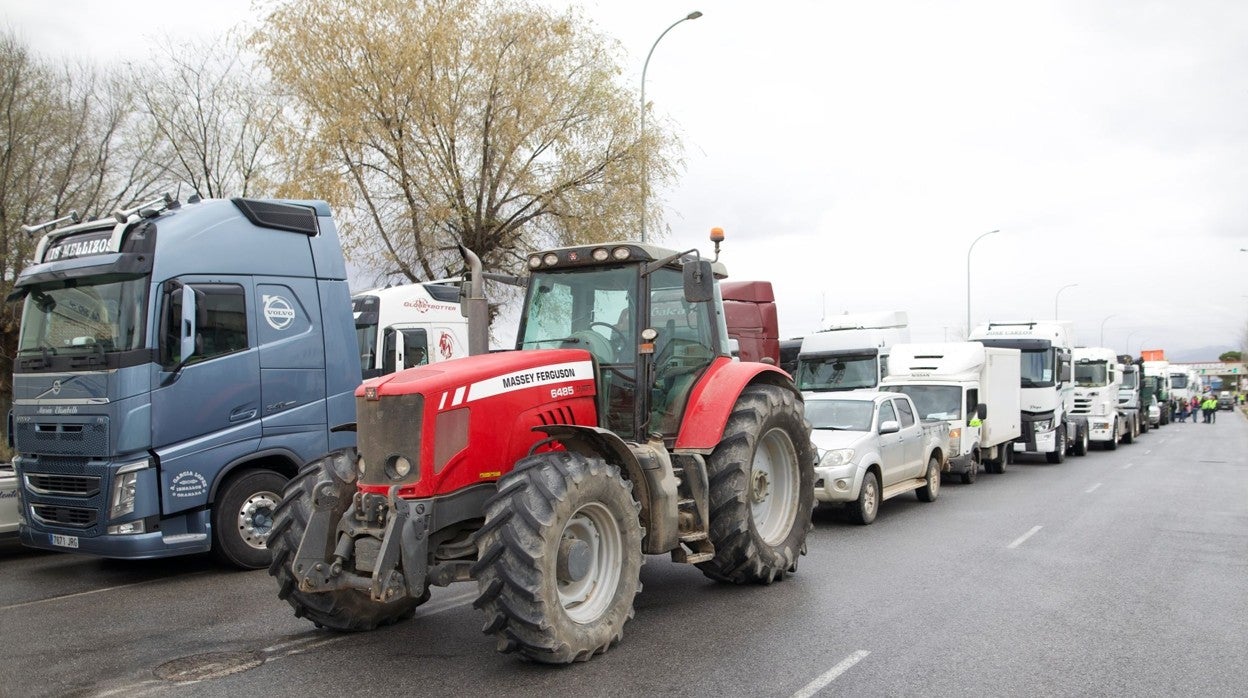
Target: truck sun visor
x=279, y=216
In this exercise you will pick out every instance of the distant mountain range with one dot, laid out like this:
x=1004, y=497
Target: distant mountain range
x=1198, y=355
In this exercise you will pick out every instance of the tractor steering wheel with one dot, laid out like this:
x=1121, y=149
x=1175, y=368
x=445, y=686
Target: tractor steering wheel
x=617, y=339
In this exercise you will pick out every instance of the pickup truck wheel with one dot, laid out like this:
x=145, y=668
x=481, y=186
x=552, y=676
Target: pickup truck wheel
x=345, y=610
x=242, y=518
x=761, y=478
x=1112, y=444
x=929, y=491
x=559, y=558
x=863, y=510
x=1058, y=454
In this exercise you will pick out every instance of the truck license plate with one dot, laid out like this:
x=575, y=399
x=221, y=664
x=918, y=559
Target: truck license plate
x=64, y=541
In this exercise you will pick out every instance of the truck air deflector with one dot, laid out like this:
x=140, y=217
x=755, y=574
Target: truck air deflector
x=279, y=216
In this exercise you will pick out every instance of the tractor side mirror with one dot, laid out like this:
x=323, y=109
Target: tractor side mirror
x=699, y=281
x=981, y=411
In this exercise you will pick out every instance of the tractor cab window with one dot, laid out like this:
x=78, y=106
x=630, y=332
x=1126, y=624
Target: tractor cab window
x=683, y=348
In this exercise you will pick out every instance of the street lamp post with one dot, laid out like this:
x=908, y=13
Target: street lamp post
x=642, y=132
x=1107, y=317
x=1127, y=344
x=968, y=278
x=1055, y=297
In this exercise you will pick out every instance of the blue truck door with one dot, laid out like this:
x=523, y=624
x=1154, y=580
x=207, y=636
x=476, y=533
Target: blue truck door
x=292, y=366
x=208, y=413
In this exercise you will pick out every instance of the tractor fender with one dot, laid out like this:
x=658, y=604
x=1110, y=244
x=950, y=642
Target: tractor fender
x=647, y=466
x=715, y=396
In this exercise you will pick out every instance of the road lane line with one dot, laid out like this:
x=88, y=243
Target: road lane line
x=831, y=675
x=97, y=591
x=1128, y=465
x=1148, y=452
x=1023, y=538
x=1092, y=489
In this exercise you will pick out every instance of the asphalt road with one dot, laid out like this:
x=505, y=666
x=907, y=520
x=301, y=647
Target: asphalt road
x=1119, y=573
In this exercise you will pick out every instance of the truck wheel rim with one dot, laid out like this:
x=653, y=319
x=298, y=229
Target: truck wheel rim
x=773, y=486
x=255, y=518
x=587, y=598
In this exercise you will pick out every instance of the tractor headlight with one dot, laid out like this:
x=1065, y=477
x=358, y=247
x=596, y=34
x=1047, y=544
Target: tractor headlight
x=360, y=466
x=398, y=467
x=1042, y=425
x=835, y=457
x=125, y=487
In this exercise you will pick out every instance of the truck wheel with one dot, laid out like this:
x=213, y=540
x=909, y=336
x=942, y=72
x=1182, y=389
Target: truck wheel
x=1058, y=454
x=1112, y=444
x=1129, y=437
x=929, y=491
x=864, y=510
x=972, y=473
x=1082, y=440
x=1144, y=425
x=761, y=478
x=559, y=558
x=242, y=518
x=342, y=609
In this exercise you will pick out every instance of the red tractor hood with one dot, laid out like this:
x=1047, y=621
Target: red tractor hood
x=460, y=381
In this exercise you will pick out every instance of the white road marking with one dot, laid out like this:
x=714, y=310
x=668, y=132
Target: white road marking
x=97, y=591
x=1023, y=538
x=1092, y=489
x=1128, y=465
x=831, y=675
x=1148, y=452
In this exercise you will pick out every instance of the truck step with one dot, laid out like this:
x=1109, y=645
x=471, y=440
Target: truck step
x=902, y=487
x=693, y=536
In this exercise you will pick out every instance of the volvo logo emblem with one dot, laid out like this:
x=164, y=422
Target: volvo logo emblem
x=56, y=387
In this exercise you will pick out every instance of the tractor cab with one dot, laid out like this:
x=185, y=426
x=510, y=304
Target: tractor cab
x=651, y=317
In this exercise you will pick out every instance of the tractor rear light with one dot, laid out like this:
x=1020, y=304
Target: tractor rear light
x=621, y=253
x=601, y=254
x=551, y=259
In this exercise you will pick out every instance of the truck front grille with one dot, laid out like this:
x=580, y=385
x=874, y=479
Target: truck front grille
x=66, y=485
x=73, y=517
x=1083, y=405
x=386, y=429
x=81, y=436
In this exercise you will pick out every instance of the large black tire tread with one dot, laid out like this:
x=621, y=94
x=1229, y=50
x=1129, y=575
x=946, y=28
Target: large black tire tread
x=929, y=491
x=1058, y=455
x=228, y=545
x=741, y=554
x=344, y=610
x=518, y=549
x=1083, y=441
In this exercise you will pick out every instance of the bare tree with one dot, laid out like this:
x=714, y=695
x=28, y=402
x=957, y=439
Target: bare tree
x=488, y=123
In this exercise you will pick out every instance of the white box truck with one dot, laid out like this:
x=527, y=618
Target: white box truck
x=1098, y=381
x=408, y=325
x=972, y=387
x=850, y=352
x=1047, y=384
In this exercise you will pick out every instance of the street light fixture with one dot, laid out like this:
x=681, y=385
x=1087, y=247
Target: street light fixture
x=1127, y=344
x=968, y=278
x=1107, y=317
x=642, y=132
x=1055, y=297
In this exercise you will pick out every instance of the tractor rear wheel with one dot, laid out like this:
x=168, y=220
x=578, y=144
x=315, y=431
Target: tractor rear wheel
x=761, y=488
x=343, y=609
x=559, y=558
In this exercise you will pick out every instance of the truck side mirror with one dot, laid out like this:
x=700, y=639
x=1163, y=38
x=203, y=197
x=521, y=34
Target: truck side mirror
x=981, y=411
x=191, y=320
x=892, y=426
x=699, y=281
x=1065, y=377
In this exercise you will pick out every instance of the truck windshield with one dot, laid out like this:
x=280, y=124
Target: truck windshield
x=1092, y=374
x=933, y=401
x=1130, y=380
x=848, y=415
x=101, y=316
x=1178, y=381
x=837, y=372
x=1037, y=368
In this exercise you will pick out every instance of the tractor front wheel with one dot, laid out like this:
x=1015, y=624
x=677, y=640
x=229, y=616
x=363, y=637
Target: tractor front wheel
x=342, y=609
x=761, y=488
x=559, y=558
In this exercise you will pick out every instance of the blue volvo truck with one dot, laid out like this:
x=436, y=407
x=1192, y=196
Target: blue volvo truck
x=176, y=365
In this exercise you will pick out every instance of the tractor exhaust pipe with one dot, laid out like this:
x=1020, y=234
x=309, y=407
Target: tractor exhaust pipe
x=474, y=306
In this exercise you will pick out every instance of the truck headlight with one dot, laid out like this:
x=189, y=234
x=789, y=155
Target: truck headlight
x=835, y=457
x=125, y=485
x=1042, y=425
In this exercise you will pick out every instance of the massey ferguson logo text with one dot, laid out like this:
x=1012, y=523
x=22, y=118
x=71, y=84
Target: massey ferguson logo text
x=538, y=377
x=80, y=248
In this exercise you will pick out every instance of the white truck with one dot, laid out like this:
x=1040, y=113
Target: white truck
x=1159, y=372
x=850, y=352
x=871, y=446
x=1098, y=381
x=408, y=325
x=972, y=387
x=1129, y=394
x=1047, y=384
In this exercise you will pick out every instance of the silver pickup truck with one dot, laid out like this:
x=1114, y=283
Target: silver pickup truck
x=871, y=446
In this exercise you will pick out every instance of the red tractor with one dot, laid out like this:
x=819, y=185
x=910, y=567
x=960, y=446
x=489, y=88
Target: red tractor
x=619, y=427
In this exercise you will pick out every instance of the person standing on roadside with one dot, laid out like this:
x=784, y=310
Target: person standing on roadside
x=1206, y=407
x=1195, y=407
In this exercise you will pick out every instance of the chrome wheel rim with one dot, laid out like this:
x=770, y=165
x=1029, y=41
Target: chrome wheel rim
x=255, y=519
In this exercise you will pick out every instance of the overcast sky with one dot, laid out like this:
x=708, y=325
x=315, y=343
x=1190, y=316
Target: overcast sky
x=853, y=150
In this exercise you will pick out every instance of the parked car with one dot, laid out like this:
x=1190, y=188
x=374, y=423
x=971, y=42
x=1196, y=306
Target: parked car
x=871, y=446
x=1226, y=401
